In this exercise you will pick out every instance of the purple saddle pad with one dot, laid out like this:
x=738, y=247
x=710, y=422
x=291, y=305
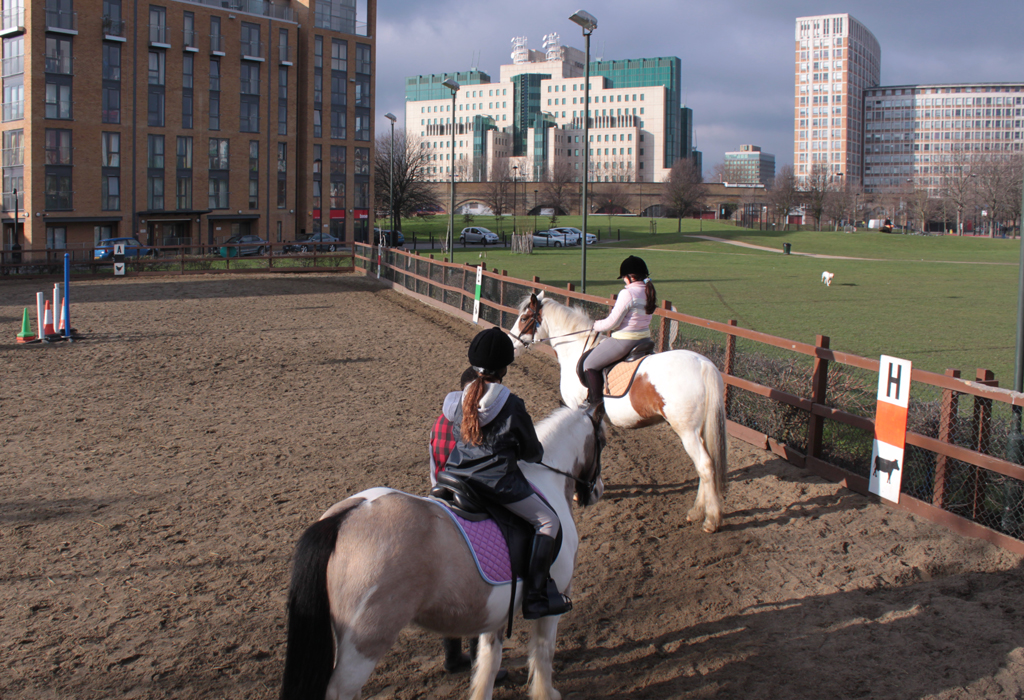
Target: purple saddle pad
x=488, y=547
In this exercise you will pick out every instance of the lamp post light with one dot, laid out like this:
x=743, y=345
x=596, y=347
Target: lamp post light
x=588, y=23
x=391, y=185
x=454, y=86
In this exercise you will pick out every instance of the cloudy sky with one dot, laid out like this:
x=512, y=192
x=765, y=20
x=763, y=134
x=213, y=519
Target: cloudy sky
x=737, y=55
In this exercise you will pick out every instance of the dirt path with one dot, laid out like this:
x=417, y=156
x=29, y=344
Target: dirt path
x=156, y=474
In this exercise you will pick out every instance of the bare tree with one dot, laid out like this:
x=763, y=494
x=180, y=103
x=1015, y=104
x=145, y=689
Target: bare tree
x=559, y=190
x=783, y=195
x=610, y=197
x=498, y=190
x=815, y=192
x=922, y=207
x=717, y=173
x=998, y=188
x=958, y=185
x=412, y=192
x=685, y=192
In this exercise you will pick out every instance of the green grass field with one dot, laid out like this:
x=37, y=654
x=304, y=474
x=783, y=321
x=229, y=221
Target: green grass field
x=940, y=301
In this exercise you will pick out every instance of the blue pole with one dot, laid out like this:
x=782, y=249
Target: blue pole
x=67, y=297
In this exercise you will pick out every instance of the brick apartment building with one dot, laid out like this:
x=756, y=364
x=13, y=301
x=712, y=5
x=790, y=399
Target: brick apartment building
x=185, y=121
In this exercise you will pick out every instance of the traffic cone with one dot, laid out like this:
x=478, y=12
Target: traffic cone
x=26, y=329
x=48, y=329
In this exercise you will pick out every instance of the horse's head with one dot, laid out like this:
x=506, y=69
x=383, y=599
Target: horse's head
x=529, y=327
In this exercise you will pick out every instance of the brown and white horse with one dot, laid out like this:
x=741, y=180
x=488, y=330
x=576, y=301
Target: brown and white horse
x=383, y=559
x=679, y=387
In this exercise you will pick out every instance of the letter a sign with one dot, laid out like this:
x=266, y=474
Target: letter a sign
x=890, y=428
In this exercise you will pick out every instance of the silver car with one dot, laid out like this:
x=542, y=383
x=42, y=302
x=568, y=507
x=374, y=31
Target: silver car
x=548, y=239
x=478, y=234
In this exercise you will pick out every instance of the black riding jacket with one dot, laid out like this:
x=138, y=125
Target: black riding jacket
x=492, y=467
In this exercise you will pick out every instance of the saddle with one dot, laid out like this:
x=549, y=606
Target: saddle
x=618, y=376
x=481, y=517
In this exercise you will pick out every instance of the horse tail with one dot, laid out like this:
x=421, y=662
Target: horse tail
x=309, y=656
x=714, y=423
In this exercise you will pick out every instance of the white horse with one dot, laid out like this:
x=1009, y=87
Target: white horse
x=382, y=559
x=680, y=387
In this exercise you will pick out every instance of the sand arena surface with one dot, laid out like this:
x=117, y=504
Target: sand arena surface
x=156, y=474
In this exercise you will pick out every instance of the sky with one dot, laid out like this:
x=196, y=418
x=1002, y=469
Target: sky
x=737, y=55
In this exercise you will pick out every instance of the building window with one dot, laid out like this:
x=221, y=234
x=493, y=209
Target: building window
x=214, y=108
x=110, y=192
x=111, y=61
x=13, y=169
x=216, y=40
x=157, y=61
x=282, y=101
x=58, y=55
x=249, y=77
x=58, y=147
x=156, y=151
x=362, y=127
x=362, y=92
x=14, y=98
x=363, y=58
x=249, y=114
x=183, y=157
x=189, y=29
x=282, y=175
x=339, y=122
x=218, y=191
x=56, y=237
x=156, y=107
x=57, y=191
x=183, y=191
x=155, y=192
x=110, y=149
x=339, y=55
x=187, y=71
x=13, y=55
x=58, y=99
x=338, y=157
x=157, y=25
x=362, y=164
x=219, y=159
x=254, y=174
x=111, y=107
x=251, y=45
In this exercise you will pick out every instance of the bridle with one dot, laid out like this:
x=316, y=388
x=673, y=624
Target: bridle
x=533, y=325
x=585, y=488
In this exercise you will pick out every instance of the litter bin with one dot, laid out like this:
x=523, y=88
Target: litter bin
x=786, y=248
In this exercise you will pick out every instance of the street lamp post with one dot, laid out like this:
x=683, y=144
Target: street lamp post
x=535, y=210
x=391, y=185
x=454, y=86
x=515, y=193
x=588, y=23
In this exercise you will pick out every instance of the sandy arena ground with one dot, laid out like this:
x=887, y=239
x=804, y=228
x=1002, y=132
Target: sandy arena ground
x=156, y=474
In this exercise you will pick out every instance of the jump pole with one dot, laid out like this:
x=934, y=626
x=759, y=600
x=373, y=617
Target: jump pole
x=67, y=298
x=40, y=302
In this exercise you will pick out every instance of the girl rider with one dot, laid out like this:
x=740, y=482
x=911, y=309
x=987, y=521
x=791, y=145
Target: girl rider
x=629, y=321
x=493, y=432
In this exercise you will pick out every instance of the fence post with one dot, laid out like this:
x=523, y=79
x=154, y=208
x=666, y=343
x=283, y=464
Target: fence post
x=570, y=287
x=536, y=280
x=730, y=354
x=947, y=426
x=663, y=327
x=819, y=391
x=981, y=431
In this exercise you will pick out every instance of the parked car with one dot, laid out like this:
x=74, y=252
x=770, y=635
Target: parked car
x=247, y=244
x=320, y=242
x=477, y=234
x=392, y=239
x=591, y=238
x=551, y=238
x=132, y=248
x=569, y=234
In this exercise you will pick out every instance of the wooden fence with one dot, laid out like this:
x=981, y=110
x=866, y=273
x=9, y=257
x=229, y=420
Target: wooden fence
x=807, y=403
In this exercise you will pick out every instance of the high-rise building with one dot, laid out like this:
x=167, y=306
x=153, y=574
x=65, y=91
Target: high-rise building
x=917, y=135
x=531, y=119
x=749, y=166
x=837, y=58
x=185, y=121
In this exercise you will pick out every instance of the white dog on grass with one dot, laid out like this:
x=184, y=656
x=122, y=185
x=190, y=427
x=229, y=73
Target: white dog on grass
x=826, y=278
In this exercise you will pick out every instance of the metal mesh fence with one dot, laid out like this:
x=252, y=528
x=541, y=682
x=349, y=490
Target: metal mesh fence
x=956, y=418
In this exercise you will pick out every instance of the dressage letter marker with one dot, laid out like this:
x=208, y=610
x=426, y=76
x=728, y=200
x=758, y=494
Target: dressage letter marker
x=119, y=259
x=886, y=471
x=476, y=297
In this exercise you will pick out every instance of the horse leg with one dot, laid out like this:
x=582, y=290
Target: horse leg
x=353, y=664
x=485, y=666
x=709, y=502
x=542, y=656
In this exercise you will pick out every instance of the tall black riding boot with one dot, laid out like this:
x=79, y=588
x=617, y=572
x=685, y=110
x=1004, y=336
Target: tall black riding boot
x=540, y=593
x=595, y=386
x=454, y=660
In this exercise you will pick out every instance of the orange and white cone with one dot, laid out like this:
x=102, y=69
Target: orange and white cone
x=60, y=326
x=48, y=329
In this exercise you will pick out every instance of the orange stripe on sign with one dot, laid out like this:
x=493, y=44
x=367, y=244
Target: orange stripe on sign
x=891, y=424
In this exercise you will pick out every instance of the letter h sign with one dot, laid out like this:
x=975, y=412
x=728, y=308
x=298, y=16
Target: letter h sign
x=890, y=428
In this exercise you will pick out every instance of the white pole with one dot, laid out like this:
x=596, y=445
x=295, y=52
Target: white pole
x=40, y=303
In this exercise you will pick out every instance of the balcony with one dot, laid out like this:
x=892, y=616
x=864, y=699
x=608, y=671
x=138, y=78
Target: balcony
x=160, y=36
x=284, y=55
x=11, y=203
x=12, y=21
x=14, y=65
x=57, y=63
x=252, y=50
x=113, y=27
x=62, y=21
x=217, y=44
x=190, y=39
x=13, y=157
x=14, y=110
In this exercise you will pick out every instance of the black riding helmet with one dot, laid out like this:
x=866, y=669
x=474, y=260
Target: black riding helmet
x=633, y=266
x=491, y=350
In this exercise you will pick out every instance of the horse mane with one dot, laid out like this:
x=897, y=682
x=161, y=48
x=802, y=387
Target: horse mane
x=568, y=317
x=553, y=423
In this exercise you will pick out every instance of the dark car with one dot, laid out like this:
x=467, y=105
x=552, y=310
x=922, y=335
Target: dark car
x=320, y=242
x=391, y=238
x=248, y=244
x=132, y=248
